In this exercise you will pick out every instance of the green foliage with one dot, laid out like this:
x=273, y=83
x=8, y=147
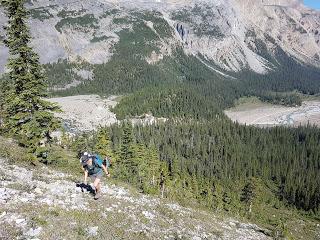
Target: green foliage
x=27, y=116
x=59, y=73
x=99, y=39
x=286, y=99
x=127, y=165
x=214, y=154
x=82, y=23
x=249, y=193
x=121, y=20
x=212, y=164
x=41, y=13
x=103, y=144
x=65, y=13
x=220, y=165
x=82, y=143
x=63, y=72
x=9, y=149
x=167, y=101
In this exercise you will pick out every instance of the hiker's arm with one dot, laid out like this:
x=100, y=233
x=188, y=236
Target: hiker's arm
x=105, y=169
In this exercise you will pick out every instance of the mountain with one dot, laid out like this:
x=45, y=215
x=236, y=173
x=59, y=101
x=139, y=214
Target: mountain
x=178, y=64
x=228, y=36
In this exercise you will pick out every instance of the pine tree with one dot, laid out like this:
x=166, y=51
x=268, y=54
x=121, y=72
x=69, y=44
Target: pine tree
x=149, y=169
x=126, y=161
x=154, y=165
x=27, y=116
x=139, y=168
x=249, y=193
x=103, y=144
x=5, y=86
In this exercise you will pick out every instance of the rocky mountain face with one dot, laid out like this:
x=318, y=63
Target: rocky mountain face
x=227, y=36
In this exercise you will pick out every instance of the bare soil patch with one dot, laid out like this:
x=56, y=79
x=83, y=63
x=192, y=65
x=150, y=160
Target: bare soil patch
x=273, y=115
x=86, y=112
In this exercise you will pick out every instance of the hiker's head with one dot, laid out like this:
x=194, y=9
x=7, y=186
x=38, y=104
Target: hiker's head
x=85, y=158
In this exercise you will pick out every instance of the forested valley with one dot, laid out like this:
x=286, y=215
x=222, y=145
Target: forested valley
x=199, y=156
x=218, y=164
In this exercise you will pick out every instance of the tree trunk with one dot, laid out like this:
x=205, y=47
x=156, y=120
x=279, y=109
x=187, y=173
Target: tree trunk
x=162, y=191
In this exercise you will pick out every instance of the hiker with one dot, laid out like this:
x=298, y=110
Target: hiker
x=93, y=167
x=106, y=161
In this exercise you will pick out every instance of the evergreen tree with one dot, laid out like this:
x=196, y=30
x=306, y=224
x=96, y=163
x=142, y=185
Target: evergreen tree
x=5, y=86
x=149, y=169
x=103, y=144
x=27, y=116
x=154, y=165
x=249, y=193
x=126, y=162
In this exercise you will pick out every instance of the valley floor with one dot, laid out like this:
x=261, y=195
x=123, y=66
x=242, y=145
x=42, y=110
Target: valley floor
x=86, y=112
x=42, y=203
x=262, y=114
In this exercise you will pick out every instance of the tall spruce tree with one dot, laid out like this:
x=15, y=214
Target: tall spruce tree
x=27, y=116
x=127, y=151
x=103, y=144
x=249, y=193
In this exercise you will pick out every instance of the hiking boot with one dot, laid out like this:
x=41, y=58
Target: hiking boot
x=97, y=196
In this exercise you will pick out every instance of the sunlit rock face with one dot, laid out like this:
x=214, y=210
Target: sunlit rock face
x=230, y=34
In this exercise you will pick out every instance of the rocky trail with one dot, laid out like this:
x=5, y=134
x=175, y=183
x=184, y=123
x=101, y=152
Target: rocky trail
x=42, y=203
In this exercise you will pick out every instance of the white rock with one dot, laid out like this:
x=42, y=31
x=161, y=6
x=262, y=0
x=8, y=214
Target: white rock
x=38, y=191
x=148, y=215
x=196, y=238
x=24, y=199
x=93, y=231
x=33, y=232
x=232, y=224
x=19, y=220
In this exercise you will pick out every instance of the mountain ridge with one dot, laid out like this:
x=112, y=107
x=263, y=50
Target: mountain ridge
x=224, y=32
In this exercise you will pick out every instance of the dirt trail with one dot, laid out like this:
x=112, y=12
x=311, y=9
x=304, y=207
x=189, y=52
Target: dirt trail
x=46, y=204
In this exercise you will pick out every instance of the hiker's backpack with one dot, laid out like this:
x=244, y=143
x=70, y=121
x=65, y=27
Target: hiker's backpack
x=106, y=162
x=98, y=158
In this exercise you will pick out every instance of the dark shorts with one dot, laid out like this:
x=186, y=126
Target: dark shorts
x=98, y=175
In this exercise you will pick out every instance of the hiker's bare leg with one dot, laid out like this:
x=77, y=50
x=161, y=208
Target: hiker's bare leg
x=97, y=185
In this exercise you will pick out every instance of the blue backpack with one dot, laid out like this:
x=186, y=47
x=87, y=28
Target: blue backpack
x=106, y=162
x=98, y=159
